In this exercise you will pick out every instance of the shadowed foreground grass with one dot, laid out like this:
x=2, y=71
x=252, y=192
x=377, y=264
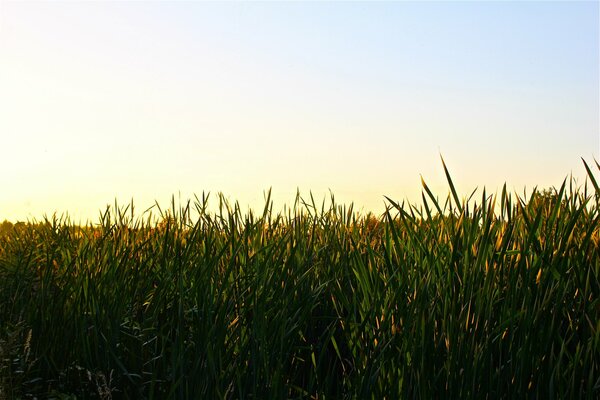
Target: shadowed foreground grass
x=494, y=297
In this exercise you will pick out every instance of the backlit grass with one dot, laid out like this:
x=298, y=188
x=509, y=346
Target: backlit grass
x=493, y=296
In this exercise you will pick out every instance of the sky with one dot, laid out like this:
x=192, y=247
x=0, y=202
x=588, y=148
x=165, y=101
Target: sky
x=103, y=101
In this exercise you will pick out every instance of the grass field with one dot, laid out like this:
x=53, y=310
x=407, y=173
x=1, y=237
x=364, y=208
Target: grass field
x=493, y=296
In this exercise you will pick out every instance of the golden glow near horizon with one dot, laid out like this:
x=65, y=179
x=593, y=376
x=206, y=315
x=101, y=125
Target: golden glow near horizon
x=148, y=100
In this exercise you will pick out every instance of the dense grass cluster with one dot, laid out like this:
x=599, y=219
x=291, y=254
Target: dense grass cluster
x=494, y=297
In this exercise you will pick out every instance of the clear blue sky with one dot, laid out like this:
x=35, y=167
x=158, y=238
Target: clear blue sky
x=142, y=100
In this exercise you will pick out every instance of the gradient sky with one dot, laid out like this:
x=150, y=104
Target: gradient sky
x=142, y=100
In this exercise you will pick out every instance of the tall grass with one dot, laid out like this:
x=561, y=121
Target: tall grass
x=493, y=297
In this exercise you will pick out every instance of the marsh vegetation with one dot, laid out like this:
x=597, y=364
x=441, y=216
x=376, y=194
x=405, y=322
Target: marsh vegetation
x=488, y=296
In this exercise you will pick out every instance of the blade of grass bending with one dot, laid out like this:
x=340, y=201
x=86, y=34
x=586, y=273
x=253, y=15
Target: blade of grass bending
x=393, y=203
x=431, y=195
x=426, y=206
x=454, y=194
x=589, y=172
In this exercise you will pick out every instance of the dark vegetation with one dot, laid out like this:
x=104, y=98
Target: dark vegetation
x=494, y=297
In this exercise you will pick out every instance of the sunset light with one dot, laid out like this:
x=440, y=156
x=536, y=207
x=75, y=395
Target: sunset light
x=119, y=100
